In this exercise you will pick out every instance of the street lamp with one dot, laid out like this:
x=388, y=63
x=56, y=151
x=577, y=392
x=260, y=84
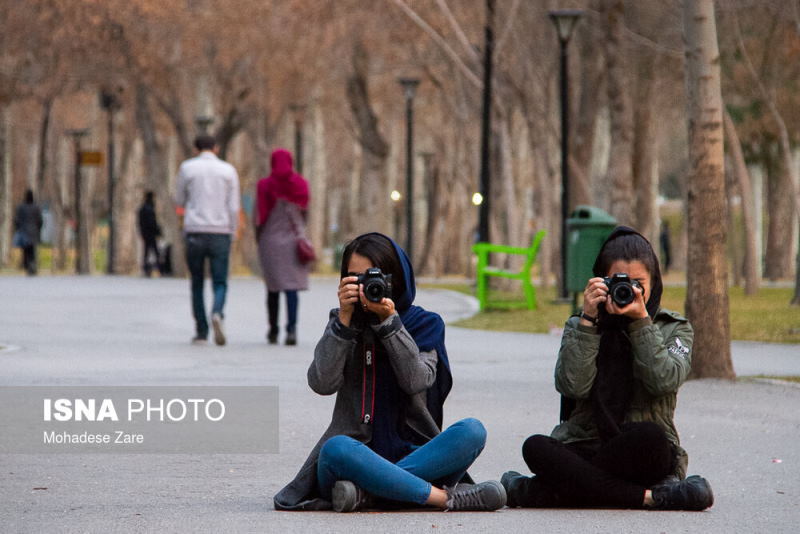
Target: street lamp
x=81, y=262
x=396, y=198
x=409, y=90
x=110, y=103
x=564, y=21
x=299, y=114
x=486, y=126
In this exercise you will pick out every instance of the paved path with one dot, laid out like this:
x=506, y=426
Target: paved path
x=742, y=436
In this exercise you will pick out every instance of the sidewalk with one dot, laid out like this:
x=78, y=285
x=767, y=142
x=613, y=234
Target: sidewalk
x=119, y=330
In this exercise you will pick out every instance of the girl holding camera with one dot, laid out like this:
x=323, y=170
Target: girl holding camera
x=386, y=361
x=619, y=369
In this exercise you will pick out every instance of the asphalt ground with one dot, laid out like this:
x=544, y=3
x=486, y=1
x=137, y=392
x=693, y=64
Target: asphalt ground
x=112, y=331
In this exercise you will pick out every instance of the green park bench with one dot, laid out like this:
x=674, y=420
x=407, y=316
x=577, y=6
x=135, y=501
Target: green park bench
x=484, y=270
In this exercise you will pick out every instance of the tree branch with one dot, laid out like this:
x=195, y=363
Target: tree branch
x=439, y=40
x=462, y=37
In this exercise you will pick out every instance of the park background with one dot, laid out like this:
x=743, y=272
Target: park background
x=141, y=78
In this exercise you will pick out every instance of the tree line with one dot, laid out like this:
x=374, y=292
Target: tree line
x=258, y=69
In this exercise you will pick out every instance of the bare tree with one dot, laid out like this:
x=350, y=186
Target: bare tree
x=707, y=276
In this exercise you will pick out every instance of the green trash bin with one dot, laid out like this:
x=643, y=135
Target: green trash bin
x=587, y=229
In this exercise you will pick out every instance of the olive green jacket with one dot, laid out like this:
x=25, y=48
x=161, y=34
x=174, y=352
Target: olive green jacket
x=662, y=357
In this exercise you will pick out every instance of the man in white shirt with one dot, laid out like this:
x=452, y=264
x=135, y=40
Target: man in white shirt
x=208, y=189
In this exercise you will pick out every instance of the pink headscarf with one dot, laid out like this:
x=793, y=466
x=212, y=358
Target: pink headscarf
x=282, y=183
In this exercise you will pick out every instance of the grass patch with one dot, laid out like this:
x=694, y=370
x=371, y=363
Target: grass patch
x=791, y=378
x=765, y=317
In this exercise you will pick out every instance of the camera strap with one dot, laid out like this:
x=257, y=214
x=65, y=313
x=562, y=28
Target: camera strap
x=368, y=381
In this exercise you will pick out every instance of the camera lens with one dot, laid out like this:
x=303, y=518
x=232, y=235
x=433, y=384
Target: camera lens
x=374, y=290
x=622, y=294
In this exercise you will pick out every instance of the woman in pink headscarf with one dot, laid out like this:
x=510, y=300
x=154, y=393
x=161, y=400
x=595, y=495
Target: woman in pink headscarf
x=282, y=200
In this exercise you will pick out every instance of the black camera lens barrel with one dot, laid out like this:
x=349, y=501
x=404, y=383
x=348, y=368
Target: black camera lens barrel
x=620, y=288
x=376, y=284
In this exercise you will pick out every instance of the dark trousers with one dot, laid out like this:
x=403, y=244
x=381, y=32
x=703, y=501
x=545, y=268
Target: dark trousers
x=273, y=301
x=613, y=474
x=216, y=248
x=150, y=247
x=29, y=259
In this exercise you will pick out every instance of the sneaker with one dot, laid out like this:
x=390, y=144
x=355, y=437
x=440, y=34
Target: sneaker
x=347, y=497
x=693, y=493
x=511, y=481
x=528, y=492
x=219, y=328
x=486, y=496
x=197, y=340
x=272, y=336
x=291, y=338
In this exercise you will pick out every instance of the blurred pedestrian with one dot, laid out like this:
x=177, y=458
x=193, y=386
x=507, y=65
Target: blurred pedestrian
x=280, y=219
x=27, y=227
x=208, y=190
x=150, y=232
x=666, y=246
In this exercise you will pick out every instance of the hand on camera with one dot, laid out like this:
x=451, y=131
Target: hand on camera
x=634, y=310
x=382, y=309
x=348, y=297
x=594, y=296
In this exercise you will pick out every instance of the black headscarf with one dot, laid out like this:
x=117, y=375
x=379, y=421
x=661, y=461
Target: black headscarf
x=613, y=385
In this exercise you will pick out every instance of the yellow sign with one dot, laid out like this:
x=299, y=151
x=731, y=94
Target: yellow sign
x=91, y=158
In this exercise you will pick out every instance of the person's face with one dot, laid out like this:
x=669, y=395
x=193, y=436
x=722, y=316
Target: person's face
x=636, y=270
x=358, y=264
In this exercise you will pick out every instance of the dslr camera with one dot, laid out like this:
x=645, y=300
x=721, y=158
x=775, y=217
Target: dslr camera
x=376, y=284
x=620, y=288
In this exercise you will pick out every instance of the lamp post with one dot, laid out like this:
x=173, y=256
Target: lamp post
x=564, y=21
x=486, y=126
x=409, y=90
x=110, y=103
x=81, y=263
x=299, y=114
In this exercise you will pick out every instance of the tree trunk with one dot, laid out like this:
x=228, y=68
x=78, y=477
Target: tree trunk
x=591, y=81
x=780, y=219
x=645, y=157
x=6, y=206
x=750, y=262
x=707, y=276
x=620, y=165
x=44, y=134
x=373, y=202
x=735, y=258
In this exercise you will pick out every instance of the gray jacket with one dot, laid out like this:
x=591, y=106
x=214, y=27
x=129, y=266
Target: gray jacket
x=338, y=367
x=662, y=358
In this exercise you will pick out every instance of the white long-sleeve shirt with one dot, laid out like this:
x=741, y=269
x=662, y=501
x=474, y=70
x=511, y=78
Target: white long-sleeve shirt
x=208, y=189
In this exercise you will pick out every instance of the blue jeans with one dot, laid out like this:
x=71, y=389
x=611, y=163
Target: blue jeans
x=215, y=247
x=443, y=460
x=273, y=298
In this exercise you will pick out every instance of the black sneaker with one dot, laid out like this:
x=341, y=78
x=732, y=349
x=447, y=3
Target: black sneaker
x=511, y=481
x=486, y=496
x=528, y=492
x=272, y=336
x=347, y=497
x=693, y=493
x=291, y=338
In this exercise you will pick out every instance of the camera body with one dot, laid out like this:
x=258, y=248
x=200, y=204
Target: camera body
x=620, y=288
x=376, y=284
